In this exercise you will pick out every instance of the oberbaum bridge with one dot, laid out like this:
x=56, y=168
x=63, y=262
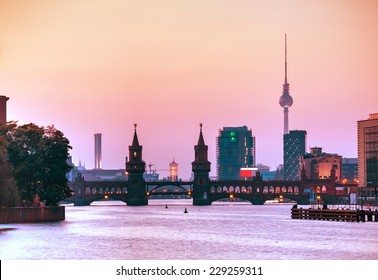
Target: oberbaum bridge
x=136, y=191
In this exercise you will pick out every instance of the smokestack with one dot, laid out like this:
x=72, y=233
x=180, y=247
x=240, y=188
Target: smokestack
x=3, y=109
x=97, y=138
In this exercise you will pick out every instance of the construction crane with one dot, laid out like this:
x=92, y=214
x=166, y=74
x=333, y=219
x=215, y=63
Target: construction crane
x=153, y=171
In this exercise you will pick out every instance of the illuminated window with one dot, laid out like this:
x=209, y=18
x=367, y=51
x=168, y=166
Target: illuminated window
x=296, y=190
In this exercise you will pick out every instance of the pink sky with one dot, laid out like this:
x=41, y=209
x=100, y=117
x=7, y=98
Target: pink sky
x=101, y=66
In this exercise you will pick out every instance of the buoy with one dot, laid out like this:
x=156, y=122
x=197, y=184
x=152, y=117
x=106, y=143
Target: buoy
x=185, y=211
x=166, y=206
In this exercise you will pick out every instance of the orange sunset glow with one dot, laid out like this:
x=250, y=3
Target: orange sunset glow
x=168, y=65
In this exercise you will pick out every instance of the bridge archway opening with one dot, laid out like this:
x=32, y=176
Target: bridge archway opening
x=108, y=202
x=167, y=188
x=228, y=201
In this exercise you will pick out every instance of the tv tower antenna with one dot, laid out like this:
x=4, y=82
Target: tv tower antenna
x=286, y=100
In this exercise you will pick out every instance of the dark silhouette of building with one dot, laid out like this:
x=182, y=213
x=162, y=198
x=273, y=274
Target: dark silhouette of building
x=97, y=150
x=201, y=170
x=135, y=168
x=286, y=100
x=368, y=151
x=294, y=149
x=234, y=151
x=3, y=109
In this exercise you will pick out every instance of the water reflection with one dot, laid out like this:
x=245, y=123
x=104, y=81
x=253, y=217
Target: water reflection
x=111, y=230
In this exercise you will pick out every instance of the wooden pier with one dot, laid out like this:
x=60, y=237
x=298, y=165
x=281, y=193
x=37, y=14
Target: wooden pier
x=346, y=215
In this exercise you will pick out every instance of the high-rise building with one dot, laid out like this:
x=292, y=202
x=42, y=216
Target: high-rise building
x=318, y=165
x=367, y=134
x=234, y=151
x=97, y=150
x=294, y=149
x=349, y=169
x=286, y=100
x=3, y=109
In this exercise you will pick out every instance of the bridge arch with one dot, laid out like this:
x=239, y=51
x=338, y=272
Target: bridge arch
x=168, y=185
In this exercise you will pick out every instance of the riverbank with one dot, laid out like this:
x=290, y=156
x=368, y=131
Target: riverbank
x=15, y=215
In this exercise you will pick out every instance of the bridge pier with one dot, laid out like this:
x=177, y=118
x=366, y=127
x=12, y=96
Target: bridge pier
x=137, y=201
x=201, y=202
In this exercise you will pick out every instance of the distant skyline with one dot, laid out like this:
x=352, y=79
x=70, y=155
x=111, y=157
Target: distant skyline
x=100, y=66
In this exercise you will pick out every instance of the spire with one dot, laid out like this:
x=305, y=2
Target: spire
x=286, y=100
x=135, y=139
x=201, y=142
x=285, y=61
x=285, y=85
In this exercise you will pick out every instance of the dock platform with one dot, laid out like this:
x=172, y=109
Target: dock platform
x=345, y=215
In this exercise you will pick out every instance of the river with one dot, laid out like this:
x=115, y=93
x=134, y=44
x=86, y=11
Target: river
x=223, y=231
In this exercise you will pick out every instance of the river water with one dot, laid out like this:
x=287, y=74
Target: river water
x=224, y=231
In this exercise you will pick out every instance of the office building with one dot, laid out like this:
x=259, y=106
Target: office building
x=234, y=151
x=294, y=149
x=349, y=170
x=367, y=138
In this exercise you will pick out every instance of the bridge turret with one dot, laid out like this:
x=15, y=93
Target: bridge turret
x=201, y=170
x=135, y=168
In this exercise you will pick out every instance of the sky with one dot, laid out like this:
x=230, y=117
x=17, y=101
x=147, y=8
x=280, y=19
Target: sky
x=96, y=66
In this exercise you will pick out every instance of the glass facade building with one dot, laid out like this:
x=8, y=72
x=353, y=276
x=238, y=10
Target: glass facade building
x=367, y=135
x=294, y=149
x=234, y=151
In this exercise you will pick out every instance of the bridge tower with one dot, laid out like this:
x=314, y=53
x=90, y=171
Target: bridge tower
x=135, y=168
x=201, y=169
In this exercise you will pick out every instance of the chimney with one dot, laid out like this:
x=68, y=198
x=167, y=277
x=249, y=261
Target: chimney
x=97, y=150
x=3, y=109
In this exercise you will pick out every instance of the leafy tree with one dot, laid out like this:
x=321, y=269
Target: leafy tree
x=9, y=196
x=39, y=157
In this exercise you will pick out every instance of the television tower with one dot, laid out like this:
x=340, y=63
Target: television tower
x=286, y=100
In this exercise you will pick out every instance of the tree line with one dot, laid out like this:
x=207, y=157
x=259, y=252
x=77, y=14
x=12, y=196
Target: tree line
x=33, y=162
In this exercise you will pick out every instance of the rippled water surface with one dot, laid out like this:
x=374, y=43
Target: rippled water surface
x=111, y=230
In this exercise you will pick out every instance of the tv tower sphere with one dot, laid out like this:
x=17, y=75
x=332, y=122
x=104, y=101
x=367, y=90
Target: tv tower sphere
x=286, y=100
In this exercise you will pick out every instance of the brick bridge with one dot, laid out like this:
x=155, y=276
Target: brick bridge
x=136, y=191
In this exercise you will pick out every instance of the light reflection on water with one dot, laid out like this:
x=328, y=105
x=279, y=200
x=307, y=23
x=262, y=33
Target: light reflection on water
x=110, y=230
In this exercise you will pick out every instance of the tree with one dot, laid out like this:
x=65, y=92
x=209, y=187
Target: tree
x=9, y=196
x=39, y=157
